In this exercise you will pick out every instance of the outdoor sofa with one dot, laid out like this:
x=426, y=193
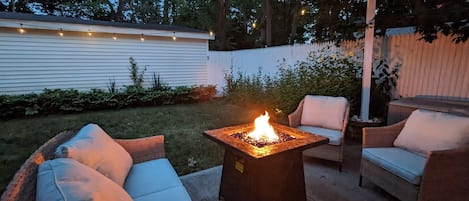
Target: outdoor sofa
x=90, y=165
x=425, y=157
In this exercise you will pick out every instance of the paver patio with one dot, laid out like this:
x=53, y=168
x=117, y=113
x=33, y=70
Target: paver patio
x=323, y=180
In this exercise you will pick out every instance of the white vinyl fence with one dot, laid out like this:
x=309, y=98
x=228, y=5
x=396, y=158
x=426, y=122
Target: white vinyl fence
x=439, y=69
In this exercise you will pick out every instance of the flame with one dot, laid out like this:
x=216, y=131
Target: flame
x=263, y=131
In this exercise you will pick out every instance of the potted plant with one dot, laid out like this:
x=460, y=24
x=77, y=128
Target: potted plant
x=383, y=86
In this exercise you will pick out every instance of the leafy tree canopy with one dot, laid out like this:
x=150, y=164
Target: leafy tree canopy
x=243, y=24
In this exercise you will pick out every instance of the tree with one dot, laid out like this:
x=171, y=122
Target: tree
x=241, y=24
x=221, y=31
x=447, y=17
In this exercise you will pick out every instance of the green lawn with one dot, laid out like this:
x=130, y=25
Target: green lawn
x=182, y=125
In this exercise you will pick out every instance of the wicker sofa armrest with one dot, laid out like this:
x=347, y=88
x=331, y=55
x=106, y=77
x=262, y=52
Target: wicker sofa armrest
x=446, y=175
x=294, y=118
x=144, y=149
x=381, y=136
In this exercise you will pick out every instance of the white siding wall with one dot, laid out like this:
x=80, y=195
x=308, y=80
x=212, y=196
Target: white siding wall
x=42, y=59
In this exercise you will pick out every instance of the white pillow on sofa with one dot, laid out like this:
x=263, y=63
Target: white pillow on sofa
x=324, y=111
x=426, y=131
x=96, y=149
x=68, y=180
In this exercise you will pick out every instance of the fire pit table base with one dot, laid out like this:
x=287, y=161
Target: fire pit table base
x=269, y=173
x=278, y=177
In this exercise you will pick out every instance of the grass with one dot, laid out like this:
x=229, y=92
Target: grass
x=182, y=125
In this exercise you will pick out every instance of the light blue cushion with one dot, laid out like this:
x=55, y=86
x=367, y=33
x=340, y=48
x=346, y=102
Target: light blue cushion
x=152, y=179
x=335, y=136
x=400, y=162
x=172, y=194
x=64, y=179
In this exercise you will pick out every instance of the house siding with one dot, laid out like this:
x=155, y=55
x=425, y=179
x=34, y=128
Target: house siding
x=42, y=59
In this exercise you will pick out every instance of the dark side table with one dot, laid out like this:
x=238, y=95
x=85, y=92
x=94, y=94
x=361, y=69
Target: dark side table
x=354, y=129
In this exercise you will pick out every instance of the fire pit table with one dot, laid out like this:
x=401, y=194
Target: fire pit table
x=263, y=172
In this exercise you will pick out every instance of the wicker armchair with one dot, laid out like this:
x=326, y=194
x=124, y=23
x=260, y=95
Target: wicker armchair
x=445, y=174
x=23, y=185
x=332, y=152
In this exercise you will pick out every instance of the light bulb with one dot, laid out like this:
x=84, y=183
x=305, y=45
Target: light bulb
x=89, y=33
x=21, y=30
x=174, y=35
x=142, y=38
x=303, y=11
x=211, y=33
x=61, y=33
x=114, y=37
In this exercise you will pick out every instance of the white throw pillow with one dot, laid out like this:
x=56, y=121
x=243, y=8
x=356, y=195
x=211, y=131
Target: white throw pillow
x=68, y=180
x=324, y=111
x=96, y=149
x=426, y=131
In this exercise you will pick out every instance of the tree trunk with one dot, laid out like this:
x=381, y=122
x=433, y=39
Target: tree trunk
x=166, y=12
x=12, y=6
x=221, y=32
x=119, y=17
x=294, y=9
x=267, y=11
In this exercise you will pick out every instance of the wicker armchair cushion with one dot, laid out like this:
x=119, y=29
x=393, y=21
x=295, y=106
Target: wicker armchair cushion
x=427, y=131
x=144, y=183
x=96, y=149
x=400, y=162
x=324, y=111
x=68, y=180
x=335, y=136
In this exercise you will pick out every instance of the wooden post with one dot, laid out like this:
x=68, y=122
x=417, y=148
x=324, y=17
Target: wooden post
x=368, y=59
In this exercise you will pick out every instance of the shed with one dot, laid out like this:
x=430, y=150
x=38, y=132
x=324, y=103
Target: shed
x=38, y=52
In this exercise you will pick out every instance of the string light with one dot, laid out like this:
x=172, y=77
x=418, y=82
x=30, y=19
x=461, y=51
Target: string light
x=89, y=32
x=303, y=11
x=21, y=29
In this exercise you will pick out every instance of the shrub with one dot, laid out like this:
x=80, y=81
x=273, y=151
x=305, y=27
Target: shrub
x=52, y=101
x=203, y=93
x=157, y=83
x=135, y=75
x=251, y=89
x=322, y=73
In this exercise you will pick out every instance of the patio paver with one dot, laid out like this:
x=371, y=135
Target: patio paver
x=323, y=180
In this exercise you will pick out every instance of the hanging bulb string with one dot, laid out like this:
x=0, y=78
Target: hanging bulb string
x=88, y=31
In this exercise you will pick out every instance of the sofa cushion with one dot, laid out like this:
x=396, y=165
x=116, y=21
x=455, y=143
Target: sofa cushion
x=426, y=131
x=154, y=179
x=400, y=162
x=335, y=136
x=68, y=180
x=324, y=111
x=178, y=193
x=96, y=149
